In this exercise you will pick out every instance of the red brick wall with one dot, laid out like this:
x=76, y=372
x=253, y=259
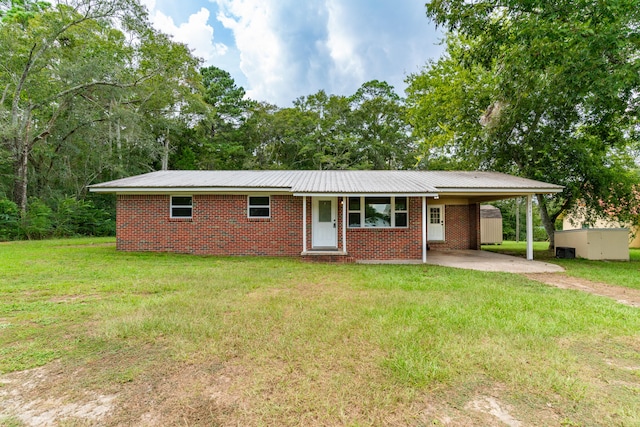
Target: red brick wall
x=462, y=228
x=219, y=226
x=389, y=243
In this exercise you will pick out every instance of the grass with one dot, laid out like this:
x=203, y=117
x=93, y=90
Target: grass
x=619, y=273
x=282, y=342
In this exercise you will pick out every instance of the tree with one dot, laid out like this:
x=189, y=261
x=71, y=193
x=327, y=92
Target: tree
x=51, y=58
x=21, y=10
x=383, y=133
x=280, y=136
x=332, y=143
x=87, y=87
x=367, y=130
x=554, y=90
x=220, y=141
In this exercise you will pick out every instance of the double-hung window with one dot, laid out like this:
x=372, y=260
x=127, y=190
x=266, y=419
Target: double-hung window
x=259, y=207
x=181, y=207
x=378, y=212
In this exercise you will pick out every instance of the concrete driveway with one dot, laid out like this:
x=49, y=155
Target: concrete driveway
x=489, y=261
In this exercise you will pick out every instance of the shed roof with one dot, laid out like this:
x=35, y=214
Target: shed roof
x=327, y=182
x=489, y=211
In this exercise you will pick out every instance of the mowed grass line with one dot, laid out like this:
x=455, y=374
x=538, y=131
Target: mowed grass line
x=618, y=273
x=320, y=344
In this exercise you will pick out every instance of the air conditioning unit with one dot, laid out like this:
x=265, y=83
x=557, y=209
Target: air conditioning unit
x=565, y=252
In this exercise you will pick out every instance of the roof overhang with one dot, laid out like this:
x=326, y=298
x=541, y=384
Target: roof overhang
x=352, y=194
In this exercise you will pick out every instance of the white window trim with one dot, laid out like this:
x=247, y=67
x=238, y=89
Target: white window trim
x=362, y=212
x=249, y=206
x=171, y=206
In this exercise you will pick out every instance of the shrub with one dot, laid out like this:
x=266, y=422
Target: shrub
x=36, y=223
x=75, y=217
x=9, y=220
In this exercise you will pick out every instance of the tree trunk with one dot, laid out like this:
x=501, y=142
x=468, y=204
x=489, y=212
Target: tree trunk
x=20, y=183
x=22, y=148
x=165, y=152
x=547, y=222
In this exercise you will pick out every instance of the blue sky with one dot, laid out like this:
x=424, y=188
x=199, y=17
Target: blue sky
x=279, y=50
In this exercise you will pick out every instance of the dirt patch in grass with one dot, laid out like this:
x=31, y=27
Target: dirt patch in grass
x=23, y=397
x=168, y=394
x=497, y=410
x=74, y=298
x=184, y=394
x=621, y=294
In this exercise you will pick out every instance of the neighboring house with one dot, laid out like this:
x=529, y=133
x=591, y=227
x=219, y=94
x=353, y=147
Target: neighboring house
x=327, y=215
x=576, y=219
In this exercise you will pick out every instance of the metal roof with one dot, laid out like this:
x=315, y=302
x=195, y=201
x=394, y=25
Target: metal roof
x=327, y=182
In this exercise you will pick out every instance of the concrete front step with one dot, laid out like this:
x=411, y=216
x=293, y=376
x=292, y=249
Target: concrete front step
x=328, y=256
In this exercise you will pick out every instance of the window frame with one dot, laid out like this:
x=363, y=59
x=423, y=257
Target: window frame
x=253, y=206
x=173, y=206
x=362, y=212
x=404, y=211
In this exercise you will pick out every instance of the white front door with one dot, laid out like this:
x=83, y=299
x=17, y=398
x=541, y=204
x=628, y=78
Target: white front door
x=325, y=229
x=435, y=227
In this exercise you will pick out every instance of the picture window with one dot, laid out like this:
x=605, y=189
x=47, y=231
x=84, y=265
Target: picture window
x=378, y=212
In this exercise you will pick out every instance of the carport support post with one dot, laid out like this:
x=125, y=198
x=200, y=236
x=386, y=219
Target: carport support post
x=529, y=227
x=304, y=224
x=424, y=229
x=344, y=223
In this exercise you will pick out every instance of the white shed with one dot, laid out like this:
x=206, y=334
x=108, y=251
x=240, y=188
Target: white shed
x=490, y=225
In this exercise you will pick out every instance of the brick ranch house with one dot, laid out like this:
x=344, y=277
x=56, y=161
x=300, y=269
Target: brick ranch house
x=323, y=215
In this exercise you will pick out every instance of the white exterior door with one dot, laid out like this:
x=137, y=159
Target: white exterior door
x=435, y=219
x=325, y=229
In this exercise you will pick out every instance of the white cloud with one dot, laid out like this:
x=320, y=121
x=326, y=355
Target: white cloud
x=263, y=54
x=348, y=66
x=290, y=48
x=196, y=32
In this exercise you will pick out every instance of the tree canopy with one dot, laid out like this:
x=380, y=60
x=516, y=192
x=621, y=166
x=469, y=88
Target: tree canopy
x=545, y=90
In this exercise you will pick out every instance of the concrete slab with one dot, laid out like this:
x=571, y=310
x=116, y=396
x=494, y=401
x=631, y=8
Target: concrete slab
x=489, y=261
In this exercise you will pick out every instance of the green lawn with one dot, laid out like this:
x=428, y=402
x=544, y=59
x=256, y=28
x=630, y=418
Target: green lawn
x=620, y=273
x=195, y=340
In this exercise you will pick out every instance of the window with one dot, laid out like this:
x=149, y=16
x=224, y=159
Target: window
x=377, y=211
x=259, y=207
x=380, y=212
x=354, y=211
x=181, y=206
x=324, y=210
x=401, y=212
x=434, y=216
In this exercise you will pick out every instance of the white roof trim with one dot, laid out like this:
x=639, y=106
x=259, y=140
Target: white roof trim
x=167, y=190
x=462, y=191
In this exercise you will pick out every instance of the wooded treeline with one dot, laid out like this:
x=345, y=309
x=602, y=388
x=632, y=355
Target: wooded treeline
x=90, y=92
